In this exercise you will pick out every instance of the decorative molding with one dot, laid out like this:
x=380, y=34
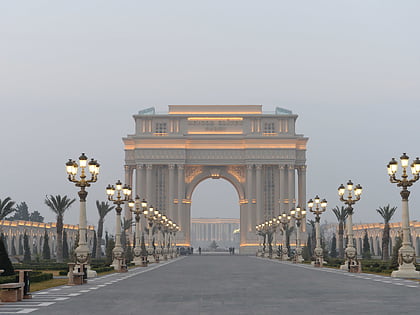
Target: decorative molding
x=238, y=172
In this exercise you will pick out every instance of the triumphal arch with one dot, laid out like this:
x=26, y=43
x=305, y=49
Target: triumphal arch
x=259, y=153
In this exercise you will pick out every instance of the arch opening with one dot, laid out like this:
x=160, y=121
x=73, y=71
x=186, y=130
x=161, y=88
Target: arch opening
x=215, y=215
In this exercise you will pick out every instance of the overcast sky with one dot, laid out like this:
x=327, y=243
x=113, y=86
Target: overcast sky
x=72, y=74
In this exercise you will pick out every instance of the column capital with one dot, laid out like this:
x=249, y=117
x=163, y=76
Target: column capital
x=258, y=166
x=301, y=168
x=250, y=167
x=171, y=166
x=291, y=167
x=282, y=166
x=140, y=166
x=149, y=166
x=180, y=166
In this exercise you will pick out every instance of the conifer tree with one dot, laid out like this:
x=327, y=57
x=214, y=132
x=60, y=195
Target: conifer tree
x=26, y=249
x=65, y=246
x=95, y=243
x=5, y=262
x=366, y=247
x=46, y=252
x=333, y=252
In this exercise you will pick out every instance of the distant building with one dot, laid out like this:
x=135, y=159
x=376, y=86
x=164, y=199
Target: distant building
x=224, y=231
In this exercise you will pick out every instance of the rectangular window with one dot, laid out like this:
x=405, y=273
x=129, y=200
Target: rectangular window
x=269, y=129
x=161, y=129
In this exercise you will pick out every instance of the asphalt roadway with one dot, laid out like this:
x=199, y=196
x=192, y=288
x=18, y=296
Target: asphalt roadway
x=228, y=285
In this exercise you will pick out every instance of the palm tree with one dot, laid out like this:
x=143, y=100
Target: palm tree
x=386, y=213
x=103, y=209
x=6, y=207
x=59, y=205
x=341, y=214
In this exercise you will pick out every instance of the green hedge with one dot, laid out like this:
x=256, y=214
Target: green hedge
x=42, y=266
x=97, y=269
x=34, y=276
x=103, y=269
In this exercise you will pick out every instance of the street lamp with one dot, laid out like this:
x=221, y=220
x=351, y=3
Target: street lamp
x=82, y=251
x=150, y=216
x=353, y=196
x=138, y=207
x=320, y=207
x=122, y=195
x=406, y=253
x=298, y=214
x=284, y=219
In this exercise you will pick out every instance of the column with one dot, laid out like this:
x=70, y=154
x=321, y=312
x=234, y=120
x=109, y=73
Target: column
x=302, y=192
x=171, y=168
x=181, y=184
x=128, y=181
x=148, y=187
x=140, y=176
x=259, y=186
x=249, y=180
x=283, y=185
x=291, y=185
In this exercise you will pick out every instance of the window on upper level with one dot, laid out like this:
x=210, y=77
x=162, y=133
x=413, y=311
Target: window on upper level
x=161, y=129
x=269, y=129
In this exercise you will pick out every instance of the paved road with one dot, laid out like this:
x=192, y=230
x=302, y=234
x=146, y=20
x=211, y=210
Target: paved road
x=229, y=285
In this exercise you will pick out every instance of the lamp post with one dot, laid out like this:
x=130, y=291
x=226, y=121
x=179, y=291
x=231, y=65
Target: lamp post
x=150, y=216
x=320, y=207
x=122, y=195
x=298, y=214
x=82, y=251
x=406, y=254
x=284, y=219
x=138, y=207
x=259, y=232
x=352, y=197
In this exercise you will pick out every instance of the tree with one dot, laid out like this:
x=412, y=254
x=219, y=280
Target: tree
x=65, y=246
x=312, y=236
x=103, y=209
x=26, y=249
x=59, y=205
x=333, y=251
x=5, y=262
x=13, y=251
x=95, y=243
x=6, y=207
x=75, y=245
x=395, y=253
x=3, y=238
x=341, y=214
x=366, y=247
x=386, y=213
x=213, y=245
x=46, y=252
x=289, y=231
x=20, y=245
x=126, y=224
x=108, y=250
x=21, y=213
x=36, y=217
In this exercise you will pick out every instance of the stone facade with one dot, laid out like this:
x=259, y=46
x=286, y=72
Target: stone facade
x=374, y=231
x=259, y=153
x=14, y=230
x=205, y=230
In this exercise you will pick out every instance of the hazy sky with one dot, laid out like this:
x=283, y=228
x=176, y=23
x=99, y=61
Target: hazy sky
x=72, y=74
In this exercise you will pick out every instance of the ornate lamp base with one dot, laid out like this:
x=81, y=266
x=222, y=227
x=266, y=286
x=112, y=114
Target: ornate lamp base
x=406, y=259
x=285, y=254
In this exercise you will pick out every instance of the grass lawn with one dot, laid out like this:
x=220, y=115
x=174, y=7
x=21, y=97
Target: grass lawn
x=47, y=284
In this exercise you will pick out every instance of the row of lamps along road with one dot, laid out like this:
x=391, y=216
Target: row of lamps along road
x=161, y=230
x=349, y=195
x=165, y=229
